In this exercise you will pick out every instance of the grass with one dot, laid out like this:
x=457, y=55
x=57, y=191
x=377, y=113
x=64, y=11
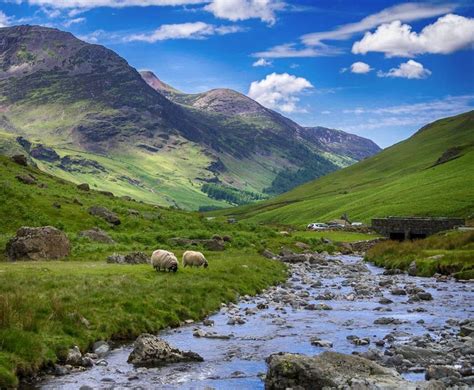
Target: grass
x=445, y=253
x=401, y=180
x=42, y=303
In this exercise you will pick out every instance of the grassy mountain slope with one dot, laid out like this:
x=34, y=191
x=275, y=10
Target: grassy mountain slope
x=43, y=303
x=428, y=174
x=265, y=142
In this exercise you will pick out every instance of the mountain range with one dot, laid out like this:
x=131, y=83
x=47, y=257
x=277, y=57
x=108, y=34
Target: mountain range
x=428, y=174
x=82, y=113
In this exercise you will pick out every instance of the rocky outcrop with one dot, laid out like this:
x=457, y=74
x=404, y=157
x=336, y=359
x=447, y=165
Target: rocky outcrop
x=96, y=234
x=44, y=153
x=27, y=179
x=130, y=258
x=151, y=351
x=105, y=214
x=39, y=243
x=331, y=370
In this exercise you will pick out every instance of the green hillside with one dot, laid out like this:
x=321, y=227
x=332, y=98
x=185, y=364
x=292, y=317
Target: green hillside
x=431, y=173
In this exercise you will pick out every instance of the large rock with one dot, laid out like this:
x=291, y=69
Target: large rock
x=105, y=214
x=331, y=370
x=151, y=351
x=26, y=179
x=96, y=234
x=130, y=258
x=39, y=243
x=20, y=159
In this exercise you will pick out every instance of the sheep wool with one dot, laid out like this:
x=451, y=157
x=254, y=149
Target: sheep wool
x=161, y=259
x=194, y=259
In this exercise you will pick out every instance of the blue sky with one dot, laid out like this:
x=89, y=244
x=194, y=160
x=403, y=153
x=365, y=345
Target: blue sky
x=380, y=69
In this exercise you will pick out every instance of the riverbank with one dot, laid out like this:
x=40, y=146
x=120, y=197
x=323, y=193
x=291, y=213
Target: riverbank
x=336, y=303
x=48, y=307
x=449, y=253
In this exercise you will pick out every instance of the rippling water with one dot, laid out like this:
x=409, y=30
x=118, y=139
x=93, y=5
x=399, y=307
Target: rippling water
x=239, y=363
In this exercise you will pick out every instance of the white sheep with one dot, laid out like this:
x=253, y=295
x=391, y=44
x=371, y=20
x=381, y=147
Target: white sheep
x=161, y=259
x=193, y=258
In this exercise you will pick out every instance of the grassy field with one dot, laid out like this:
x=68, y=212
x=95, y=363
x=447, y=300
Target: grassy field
x=47, y=307
x=42, y=304
x=444, y=253
x=401, y=180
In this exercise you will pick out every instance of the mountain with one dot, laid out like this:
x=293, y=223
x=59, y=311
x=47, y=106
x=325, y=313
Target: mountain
x=82, y=113
x=430, y=174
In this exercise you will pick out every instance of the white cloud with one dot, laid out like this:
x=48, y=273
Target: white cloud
x=88, y=4
x=408, y=70
x=262, y=62
x=235, y=10
x=313, y=43
x=326, y=112
x=360, y=68
x=4, y=20
x=404, y=12
x=448, y=34
x=288, y=50
x=196, y=30
x=70, y=22
x=279, y=91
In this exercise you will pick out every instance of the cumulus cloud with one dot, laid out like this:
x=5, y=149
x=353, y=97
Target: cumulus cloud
x=279, y=91
x=405, y=12
x=448, y=34
x=4, y=19
x=235, y=10
x=360, y=67
x=313, y=44
x=408, y=70
x=196, y=30
x=262, y=62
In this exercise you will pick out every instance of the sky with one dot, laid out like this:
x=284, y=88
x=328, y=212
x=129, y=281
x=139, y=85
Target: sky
x=379, y=69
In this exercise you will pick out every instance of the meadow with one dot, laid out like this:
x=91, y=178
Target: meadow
x=448, y=253
x=47, y=307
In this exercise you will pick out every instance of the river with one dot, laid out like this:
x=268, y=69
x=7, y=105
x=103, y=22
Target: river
x=286, y=320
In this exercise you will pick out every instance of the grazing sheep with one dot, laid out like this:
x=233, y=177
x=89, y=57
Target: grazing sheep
x=193, y=258
x=161, y=259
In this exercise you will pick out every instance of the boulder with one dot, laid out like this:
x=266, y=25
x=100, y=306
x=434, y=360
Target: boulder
x=83, y=187
x=96, y=234
x=32, y=243
x=130, y=258
x=101, y=348
x=151, y=351
x=330, y=370
x=440, y=372
x=26, y=179
x=213, y=245
x=107, y=193
x=412, y=269
x=20, y=159
x=105, y=214
x=74, y=357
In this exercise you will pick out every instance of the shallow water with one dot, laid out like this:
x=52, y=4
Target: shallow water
x=239, y=362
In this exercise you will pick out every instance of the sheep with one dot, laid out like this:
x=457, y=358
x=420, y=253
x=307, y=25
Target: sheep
x=193, y=258
x=164, y=259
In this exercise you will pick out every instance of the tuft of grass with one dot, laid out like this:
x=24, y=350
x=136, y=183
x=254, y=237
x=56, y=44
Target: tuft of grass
x=449, y=253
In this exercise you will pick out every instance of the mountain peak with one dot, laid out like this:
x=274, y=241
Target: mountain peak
x=153, y=81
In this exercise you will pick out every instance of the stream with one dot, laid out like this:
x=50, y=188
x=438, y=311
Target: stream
x=330, y=299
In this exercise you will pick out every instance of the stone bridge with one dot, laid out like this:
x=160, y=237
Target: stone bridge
x=406, y=228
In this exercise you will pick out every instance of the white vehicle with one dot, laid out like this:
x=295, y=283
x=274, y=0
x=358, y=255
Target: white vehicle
x=356, y=224
x=317, y=226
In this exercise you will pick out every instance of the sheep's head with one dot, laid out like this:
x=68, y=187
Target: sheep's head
x=206, y=264
x=174, y=267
